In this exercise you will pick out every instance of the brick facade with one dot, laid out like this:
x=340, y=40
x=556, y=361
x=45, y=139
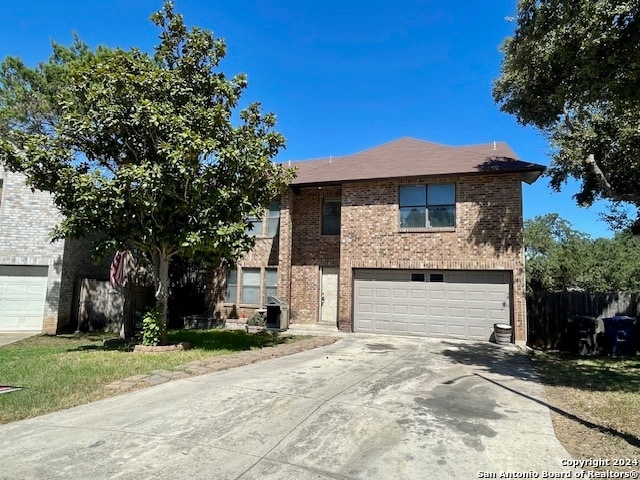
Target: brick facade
x=488, y=236
x=26, y=220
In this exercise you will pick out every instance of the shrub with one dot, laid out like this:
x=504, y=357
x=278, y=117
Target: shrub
x=153, y=330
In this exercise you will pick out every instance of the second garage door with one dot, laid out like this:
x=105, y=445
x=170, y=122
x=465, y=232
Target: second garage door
x=456, y=304
x=23, y=292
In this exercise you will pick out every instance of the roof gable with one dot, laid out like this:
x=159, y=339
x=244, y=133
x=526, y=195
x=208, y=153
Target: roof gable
x=408, y=157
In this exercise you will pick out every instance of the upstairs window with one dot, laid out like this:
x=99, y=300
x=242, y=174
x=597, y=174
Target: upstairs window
x=273, y=219
x=255, y=230
x=428, y=206
x=266, y=225
x=331, y=216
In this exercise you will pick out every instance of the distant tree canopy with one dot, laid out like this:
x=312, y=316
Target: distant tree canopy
x=144, y=149
x=559, y=257
x=571, y=69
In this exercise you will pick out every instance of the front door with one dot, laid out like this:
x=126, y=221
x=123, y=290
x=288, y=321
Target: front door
x=329, y=296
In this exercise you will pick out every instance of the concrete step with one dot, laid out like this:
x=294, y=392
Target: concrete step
x=314, y=329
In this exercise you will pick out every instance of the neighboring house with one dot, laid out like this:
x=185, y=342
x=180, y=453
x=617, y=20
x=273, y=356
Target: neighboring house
x=37, y=276
x=410, y=238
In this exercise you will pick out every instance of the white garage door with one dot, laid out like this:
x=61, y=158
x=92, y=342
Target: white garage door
x=23, y=291
x=457, y=304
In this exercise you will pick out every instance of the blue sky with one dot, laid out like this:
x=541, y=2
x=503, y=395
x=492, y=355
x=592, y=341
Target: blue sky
x=341, y=76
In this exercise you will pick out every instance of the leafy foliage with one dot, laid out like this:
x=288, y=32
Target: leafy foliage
x=142, y=148
x=559, y=257
x=257, y=320
x=154, y=331
x=571, y=70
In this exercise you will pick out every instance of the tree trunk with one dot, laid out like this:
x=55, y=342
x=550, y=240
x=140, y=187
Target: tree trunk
x=128, y=328
x=161, y=260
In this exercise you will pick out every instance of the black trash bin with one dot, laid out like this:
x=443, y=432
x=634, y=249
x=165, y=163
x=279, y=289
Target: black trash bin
x=581, y=333
x=277, y=313
x=619, y=332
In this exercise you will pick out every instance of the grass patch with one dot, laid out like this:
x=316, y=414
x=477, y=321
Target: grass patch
x=595, y=402
x=68, y=370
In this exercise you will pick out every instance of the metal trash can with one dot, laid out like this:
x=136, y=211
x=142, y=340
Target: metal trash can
x=277, y=313
x=619, y=334
x=581, y=333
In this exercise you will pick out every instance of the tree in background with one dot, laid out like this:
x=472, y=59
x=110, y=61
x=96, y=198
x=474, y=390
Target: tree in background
x=142, y=148
x=571, y=69
x=559, y=257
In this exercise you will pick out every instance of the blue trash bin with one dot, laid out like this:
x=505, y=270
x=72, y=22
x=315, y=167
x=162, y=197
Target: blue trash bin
x=619, y=333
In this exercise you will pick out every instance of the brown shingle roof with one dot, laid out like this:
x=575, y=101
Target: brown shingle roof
x=408, y=157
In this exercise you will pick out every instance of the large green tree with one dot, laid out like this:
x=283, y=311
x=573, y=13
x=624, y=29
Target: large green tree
x=144, y=149
x=560, y=257
x=571, y=69
x=557, y=256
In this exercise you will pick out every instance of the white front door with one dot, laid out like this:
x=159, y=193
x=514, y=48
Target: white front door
x=329, y=296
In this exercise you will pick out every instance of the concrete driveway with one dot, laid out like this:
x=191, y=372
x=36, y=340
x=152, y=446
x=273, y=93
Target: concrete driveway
x=363, y=408
x=11, y=337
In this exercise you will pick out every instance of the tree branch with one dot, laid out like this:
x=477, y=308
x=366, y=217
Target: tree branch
x=604, y=181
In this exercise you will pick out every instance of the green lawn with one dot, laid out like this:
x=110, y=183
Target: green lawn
x=68, y=370
x=595, y=403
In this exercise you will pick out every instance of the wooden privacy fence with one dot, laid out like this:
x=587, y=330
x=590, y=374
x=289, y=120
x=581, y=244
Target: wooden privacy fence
x=100, y=308
x=548, y=313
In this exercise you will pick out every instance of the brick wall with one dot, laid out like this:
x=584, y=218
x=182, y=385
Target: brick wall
x=26, y=220
x=310, y=251
x=488, y=235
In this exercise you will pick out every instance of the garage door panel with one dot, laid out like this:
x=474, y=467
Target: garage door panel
x=365, y=292
x=477, y=333
x=364, y=308
x=366, y=325
x=457, y=331
x=400, y=309
x=418, y=294
x=498, y=315
x=437, y=295
x=400, y=327
x=455, y=295
x=382, y=293
x=382, y=308
x=460, y=309
x=400, y=293
x=382, y=325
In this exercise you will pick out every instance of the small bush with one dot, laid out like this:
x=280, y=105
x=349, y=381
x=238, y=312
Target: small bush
x=257, y=320
x=153, y=330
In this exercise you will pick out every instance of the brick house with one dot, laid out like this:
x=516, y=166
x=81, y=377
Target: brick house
x=37, y=276
x=410, y=238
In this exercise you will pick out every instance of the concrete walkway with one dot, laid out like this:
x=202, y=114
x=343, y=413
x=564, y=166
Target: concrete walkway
x=362, y=408
x=11, y=337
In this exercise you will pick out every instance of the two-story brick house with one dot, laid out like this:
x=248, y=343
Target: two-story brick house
x=36, y=275
x=410, y=238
